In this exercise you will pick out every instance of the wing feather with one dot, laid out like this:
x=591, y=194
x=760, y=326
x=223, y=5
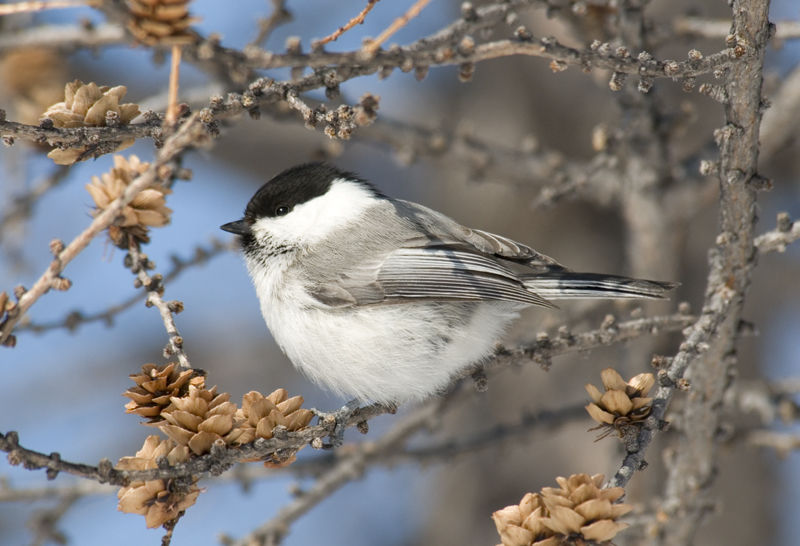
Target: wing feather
x=450, y=274
x=428, y=257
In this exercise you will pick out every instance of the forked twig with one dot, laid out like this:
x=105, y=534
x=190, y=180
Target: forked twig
x=398, y=23
x=357, y=20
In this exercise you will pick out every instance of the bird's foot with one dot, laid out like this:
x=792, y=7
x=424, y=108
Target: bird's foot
x=336, y=422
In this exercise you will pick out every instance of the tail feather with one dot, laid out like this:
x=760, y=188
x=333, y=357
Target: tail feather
x=570, y=285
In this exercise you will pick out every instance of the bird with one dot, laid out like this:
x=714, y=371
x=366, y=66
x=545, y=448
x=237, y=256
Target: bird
x=385, y=300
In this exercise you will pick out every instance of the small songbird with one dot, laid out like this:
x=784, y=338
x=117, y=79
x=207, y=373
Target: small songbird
x=386, y=300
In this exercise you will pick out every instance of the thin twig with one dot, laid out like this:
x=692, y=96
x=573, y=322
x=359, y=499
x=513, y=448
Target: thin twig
x=349, y=468
x=75, y=318
x=223, y=458
x=174, y=79
x=357, y=20
x=169, y=527
x=441, y=452
x=44, y=523
x=64, y=37
x=22, y=205
x=782, y=442
x=279, y=16
x=353, y=64
x=777, y=239
x=189, y=133
x=396, y=25
x=154, y=286
x=26, y=7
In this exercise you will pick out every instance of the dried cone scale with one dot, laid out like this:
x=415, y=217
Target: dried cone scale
x=576, y=512
x=87, y=105
x=203, y=417
x=161, y=22
x=147, y=209
x=5, y=303
x=623, y=404
x=159, y=501
x=200, y=419
x=259, y=415
x=155, y=386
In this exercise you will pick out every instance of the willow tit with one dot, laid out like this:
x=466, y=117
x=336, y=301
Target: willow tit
x=386, y=300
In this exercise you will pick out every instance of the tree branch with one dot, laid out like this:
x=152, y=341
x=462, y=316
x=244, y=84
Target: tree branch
x=63, y=37
x=776, y=240
x=22, y=205
x=75, y=318
x=279, y=16
x=189, y=134
x=139, y=264
x=348, y=468
x=710, y=347
x=222, y=458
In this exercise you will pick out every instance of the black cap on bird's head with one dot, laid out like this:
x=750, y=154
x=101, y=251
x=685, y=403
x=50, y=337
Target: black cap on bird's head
x=290, y=188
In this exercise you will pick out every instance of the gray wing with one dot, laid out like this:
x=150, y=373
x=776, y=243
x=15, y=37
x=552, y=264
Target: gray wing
x=507, y=249
x=436, y=260
x=428, y=273
x=452, y=234
x=449, y=274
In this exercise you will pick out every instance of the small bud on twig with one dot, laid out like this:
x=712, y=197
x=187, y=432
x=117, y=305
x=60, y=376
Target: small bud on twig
x=523, y=34
x=466, y=71
x=56, y=247
x=617, y=81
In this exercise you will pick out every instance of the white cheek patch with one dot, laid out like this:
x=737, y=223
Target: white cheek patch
x=314, y=220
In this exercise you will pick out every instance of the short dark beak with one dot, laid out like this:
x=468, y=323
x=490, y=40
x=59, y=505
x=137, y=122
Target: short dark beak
x=238, y=227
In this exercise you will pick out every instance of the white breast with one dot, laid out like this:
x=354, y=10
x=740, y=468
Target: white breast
x=391, y=353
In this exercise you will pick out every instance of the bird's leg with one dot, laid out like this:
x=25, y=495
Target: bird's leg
x=339, y=420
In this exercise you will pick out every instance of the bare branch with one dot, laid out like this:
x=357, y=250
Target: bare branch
x=222, y=458
x=373, y=45
x=35, y=5
x=79, y=489
x=566, y=342
x=776, y=240
x=413, y=56
x=44, y=523
x=188, y=134
x=783, y=443
x=527, y=166
x=439, y=453
x=711, y=345
x=357, y=20
x=80, y=136
x=64, y=37
x=718, y=28
x=279, y=16
x=139, y=264
x=75, y=319
x=22, y=205
x=347, y=469
x=174, y=81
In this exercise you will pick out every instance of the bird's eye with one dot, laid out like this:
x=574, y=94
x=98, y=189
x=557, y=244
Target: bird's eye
x=283, y=210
